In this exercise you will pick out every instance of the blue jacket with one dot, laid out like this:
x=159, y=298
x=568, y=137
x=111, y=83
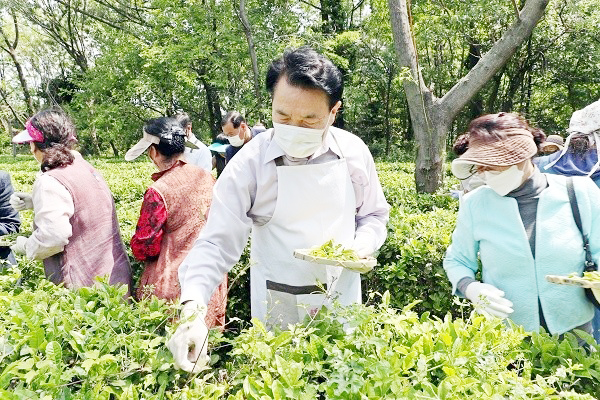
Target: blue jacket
x=9, y=218
x=491, y=225
x=570, y=164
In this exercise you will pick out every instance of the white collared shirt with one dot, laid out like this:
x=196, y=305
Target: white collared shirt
x=246, y=194
x=200, y=157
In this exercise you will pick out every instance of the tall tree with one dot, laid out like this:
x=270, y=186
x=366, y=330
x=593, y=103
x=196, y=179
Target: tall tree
x=10, y=47
x=431, y=116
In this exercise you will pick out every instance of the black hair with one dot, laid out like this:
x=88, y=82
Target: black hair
x=59, y=136
x=308, y=69
x=234, y=117
x=221, y=139
x=171, y=134
x=461, y=145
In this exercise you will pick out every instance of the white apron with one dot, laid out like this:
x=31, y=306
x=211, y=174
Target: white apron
x=315, y=203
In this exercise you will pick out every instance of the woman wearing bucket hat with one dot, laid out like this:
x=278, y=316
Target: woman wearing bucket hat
x=76, y=231
x=580, y=155
x=520, y=225
x=552, y=144
x=173, y=213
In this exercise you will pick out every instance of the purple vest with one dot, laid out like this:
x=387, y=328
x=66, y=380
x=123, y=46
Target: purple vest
x=95, y=248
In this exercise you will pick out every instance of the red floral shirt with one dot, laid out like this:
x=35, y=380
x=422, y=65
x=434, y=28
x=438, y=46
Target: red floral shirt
x=145, y=244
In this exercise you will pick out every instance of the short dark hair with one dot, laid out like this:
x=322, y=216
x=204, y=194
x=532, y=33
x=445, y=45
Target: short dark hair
x=221, y=139
x=306, y=68
x=167, y=126
x=234, y=117
x=59, y=136
x=461, y=145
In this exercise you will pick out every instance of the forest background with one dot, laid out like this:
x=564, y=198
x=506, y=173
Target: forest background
x=114, y=63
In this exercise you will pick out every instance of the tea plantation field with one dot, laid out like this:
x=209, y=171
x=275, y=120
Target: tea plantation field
x=411, y=339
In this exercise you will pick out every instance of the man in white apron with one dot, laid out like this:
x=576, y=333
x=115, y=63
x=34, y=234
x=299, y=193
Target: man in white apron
x=295, y=186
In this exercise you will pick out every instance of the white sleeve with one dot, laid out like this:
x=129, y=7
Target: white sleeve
x=53, y=208
x=373, y=212
x=224, y=236
x=202, y=155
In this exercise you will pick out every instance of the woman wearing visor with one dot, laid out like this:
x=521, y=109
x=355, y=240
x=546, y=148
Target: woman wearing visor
x=76, y=232
x=173, y=213
x=520, y=225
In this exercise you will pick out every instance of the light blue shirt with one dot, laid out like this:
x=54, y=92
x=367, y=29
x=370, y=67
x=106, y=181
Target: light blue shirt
x=489, y=226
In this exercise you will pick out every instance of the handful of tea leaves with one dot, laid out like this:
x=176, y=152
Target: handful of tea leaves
x=334, y=251
x=592, y=276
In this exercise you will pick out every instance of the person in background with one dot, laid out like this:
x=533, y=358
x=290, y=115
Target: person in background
x=76, y=232
x=218, y=148
x=238, y=132
x=9, y=217
x=173, y=213
x=521, y=227
x=200, y=155
x=579, y=157
x=298, y=185
x=552, y=144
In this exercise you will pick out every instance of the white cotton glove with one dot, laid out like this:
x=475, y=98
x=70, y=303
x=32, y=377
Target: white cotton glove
x=19, y=246
x=189, y=343
x=362, y=247
x=488, y=299
x=21, y=201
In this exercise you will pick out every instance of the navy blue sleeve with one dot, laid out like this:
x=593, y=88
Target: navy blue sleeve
x=9, y=218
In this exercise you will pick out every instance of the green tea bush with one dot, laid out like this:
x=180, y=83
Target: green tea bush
x=410, y=260
x=92, y=344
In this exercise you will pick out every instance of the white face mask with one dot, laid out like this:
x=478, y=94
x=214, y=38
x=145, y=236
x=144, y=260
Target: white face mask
x=472, y=182
x=235, y=140
x=297, y=141
x=504, y=182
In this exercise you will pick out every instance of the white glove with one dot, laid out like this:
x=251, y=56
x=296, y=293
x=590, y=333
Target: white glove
x=488, y=299
x=189, y=343
x=21, y=201
x=362, y=247
x=19, y=246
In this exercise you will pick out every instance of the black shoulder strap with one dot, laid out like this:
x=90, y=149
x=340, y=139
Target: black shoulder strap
x=574, y=205
x=589, y=262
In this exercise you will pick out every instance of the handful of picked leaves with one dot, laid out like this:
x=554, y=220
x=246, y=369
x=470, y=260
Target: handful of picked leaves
x=592, y=276
x=334, y=251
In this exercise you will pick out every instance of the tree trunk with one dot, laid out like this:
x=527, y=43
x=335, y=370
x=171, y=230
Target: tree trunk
x=252, y=52
x=11, y=49
x=114, y=148
x=432, y=117
x=213, y=106
x=388, y=95
x=95, y=144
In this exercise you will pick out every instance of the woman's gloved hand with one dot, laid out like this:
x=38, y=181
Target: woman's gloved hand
x=21, y=201
x=189, y=343
x=19, y=246
x=488, y=299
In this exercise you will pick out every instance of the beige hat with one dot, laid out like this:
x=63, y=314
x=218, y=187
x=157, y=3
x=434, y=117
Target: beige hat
x=517, y=146
x=146, y=141
x=553, y=141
